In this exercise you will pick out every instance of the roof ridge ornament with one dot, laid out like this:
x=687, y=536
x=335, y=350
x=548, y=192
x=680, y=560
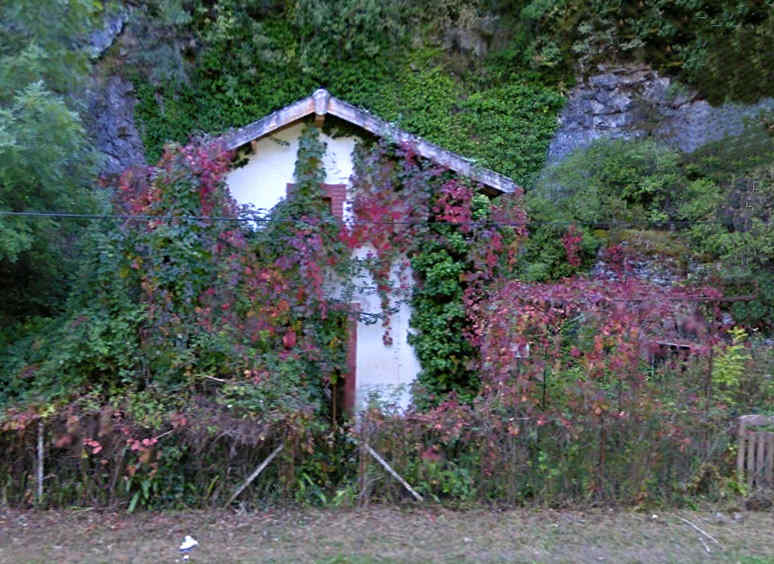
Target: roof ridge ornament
x=321, y=98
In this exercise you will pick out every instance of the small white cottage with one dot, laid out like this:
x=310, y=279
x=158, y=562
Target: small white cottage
x=374, y=367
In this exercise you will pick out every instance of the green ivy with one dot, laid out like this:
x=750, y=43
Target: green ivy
x=498, y=112
x=439, y=315
x=440, y=322
x=721, y=47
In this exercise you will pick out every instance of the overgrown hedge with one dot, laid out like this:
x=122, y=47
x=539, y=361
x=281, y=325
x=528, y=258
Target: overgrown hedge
x=195, y=346
x=672, y=452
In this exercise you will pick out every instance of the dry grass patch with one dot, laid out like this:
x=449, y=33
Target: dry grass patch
x=386, y=534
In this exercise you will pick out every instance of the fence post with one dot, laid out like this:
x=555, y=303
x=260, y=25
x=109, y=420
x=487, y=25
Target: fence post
x=362, y=464
x=39, y=469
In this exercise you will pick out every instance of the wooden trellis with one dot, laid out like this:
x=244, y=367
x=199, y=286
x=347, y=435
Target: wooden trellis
x=755, y=457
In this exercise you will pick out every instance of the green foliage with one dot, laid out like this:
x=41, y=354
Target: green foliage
x=728, y=202
x=446, y=270
x=723, y=48
x=47, y=161
x=509, y=127
x=440, y=320
x=167, y=304
x=253, y=62
x=353, y=28
x=444, y=480
x=38, y=43
x=614, y=181
x=611, y=183
x=289, y=392
x=729, y=366
x=716, y=201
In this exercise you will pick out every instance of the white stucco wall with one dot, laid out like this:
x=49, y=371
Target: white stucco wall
x=263, y=181
x=382, y=371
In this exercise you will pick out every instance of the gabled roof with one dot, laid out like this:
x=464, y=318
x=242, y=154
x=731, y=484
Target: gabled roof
x=321, y=103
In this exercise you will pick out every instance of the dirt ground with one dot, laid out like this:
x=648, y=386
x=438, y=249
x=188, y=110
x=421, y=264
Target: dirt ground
x=389, y=534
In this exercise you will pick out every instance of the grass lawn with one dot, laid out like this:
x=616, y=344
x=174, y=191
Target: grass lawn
x=388, y=534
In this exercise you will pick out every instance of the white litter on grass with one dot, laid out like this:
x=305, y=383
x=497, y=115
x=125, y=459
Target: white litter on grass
x=189, y=543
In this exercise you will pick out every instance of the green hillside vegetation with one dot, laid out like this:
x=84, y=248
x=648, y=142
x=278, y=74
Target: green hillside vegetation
x=723, y=48
x=386, y=57
x=224, y=64
x=713, y=206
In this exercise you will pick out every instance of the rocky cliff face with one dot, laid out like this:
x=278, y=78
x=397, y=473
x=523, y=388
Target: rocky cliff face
x=111, y=123
x=635, y=102
x=110, y=118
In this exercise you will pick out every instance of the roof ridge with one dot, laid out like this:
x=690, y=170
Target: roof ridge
x=321, y=102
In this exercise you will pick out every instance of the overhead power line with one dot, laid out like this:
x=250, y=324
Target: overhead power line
x=265, y=219
x=126, y=217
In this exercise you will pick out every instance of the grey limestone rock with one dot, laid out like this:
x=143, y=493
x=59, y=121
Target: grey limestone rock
x=111, y=122
x=635, y=102
x=113, y=23
x=110, y=99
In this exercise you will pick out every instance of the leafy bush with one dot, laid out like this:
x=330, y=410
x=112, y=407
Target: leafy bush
x=729, y=213
x=611, y=185
x=715, y=203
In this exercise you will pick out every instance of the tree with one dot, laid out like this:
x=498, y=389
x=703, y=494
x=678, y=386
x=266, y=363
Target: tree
x=48, y=163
